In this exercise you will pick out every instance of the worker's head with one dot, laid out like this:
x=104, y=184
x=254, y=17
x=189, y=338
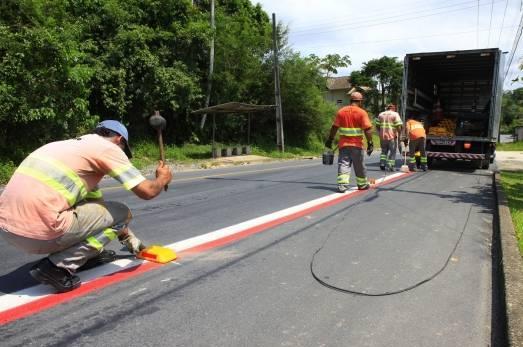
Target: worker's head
x=356, y=97
x=115, y=129
x=391, y=107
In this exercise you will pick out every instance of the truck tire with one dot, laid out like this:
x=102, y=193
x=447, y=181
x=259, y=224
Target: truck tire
x=484, y=164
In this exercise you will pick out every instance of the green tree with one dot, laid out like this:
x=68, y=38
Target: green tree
x=387, y=72
x=304, y=109
x=331, y=62
x=512, y=110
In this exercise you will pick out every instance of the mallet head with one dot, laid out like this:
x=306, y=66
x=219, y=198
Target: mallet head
x=157, y=121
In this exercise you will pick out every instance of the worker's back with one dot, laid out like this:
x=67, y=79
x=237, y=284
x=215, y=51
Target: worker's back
x=352, y=121
x=36, y=202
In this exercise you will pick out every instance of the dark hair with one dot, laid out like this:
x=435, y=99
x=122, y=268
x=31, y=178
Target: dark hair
x=105, y=132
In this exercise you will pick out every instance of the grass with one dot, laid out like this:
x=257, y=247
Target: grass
x=146, y=154
x=511, y=146
x=512, y=183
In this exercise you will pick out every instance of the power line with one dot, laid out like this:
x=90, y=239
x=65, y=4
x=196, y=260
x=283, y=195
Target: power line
x=490, y=23
x=363, y=19
x=502, y=22
x=380, y=19
x=350, y=26
x=477, y=28
x=515, y=45
x=402, y=38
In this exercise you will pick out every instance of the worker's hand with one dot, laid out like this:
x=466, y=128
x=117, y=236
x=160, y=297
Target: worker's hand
x=328, y=143
x=163, y=172
x=133, y=244
x=370, y=148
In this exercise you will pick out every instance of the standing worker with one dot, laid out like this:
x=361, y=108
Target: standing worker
x=353, y=122
x=415, y=138
x=389, y=126
x=52, y=203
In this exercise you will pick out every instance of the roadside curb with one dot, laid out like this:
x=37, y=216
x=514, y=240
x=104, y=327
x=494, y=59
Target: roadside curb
x=511, y=265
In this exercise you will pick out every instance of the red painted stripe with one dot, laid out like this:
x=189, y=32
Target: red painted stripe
x=50, y=301
x=86, y=288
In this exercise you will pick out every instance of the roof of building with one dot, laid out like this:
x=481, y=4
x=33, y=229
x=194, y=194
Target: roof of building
x=337, y=83
x=234, y=107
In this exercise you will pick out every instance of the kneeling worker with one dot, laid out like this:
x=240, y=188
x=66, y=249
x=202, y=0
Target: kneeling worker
x=353, y=123
x=52, y=204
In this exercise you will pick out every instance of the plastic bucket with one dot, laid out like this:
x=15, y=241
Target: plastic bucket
x=328, y=157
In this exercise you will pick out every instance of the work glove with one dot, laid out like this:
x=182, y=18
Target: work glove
x=370, y=148
x=405, y=141
x=328, y=143
x=133, y=244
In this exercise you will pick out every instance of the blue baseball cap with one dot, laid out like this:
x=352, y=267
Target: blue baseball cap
x=120, y=129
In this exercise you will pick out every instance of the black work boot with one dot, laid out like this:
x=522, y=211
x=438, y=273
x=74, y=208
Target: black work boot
x=48, y=273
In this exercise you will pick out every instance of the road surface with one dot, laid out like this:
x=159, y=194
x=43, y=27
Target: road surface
x=416, y=251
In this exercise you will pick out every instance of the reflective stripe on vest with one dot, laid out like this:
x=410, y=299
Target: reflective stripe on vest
x=55, y=175
x=416, y=126
x=351, y=132
x=127, y=175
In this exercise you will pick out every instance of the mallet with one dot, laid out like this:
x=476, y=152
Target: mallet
x=158, y=123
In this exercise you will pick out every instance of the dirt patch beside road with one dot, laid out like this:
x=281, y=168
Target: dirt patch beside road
x=509, y=160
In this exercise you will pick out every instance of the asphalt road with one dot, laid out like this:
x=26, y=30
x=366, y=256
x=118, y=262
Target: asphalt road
x=427, y=236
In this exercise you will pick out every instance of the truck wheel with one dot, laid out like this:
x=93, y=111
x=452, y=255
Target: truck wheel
x=484, y=164
x=430, y=161
x=492, y=157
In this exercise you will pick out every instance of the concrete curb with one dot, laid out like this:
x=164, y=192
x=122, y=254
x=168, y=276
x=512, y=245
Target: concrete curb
x=512, y=268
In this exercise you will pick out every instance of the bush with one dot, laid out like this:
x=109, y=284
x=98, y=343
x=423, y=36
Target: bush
x=6, y=171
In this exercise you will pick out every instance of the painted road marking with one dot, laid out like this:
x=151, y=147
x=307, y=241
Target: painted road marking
x=38, y=298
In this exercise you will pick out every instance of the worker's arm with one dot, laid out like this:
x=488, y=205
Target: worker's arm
x=368, y=134
x=370, y=144
x=399, y=130
x=149, y=189
x=377, y=123
x=330, y=138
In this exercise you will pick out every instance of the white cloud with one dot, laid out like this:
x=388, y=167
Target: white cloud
x=370, y=29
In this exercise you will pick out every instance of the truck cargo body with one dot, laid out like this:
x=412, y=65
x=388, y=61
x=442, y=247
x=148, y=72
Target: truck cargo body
x=457, y=95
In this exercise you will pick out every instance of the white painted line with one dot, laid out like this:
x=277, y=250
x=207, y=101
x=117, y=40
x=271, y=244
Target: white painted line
x=27, y=295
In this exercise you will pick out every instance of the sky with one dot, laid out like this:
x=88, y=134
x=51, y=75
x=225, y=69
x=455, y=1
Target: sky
x=369, y=29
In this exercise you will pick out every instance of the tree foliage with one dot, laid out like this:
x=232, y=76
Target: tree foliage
x=383, y=76
x=512, y=110
x=67, y=64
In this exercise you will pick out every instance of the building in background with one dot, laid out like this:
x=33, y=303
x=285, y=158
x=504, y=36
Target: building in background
x=337, y=89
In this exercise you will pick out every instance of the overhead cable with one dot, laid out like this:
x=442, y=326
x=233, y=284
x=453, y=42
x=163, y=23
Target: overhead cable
x=502, y=22
x=351, y=27
x=400, y=38
x=514, y=45
x=490, y=22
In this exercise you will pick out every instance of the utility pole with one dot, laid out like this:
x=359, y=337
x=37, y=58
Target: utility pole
x=277, y=94
x=211, y=66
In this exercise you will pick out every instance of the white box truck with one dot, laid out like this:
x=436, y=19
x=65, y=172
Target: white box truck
x=457, y=94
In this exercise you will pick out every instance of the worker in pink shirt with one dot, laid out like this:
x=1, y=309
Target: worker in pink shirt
x=52, y=203
x=389, y=126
